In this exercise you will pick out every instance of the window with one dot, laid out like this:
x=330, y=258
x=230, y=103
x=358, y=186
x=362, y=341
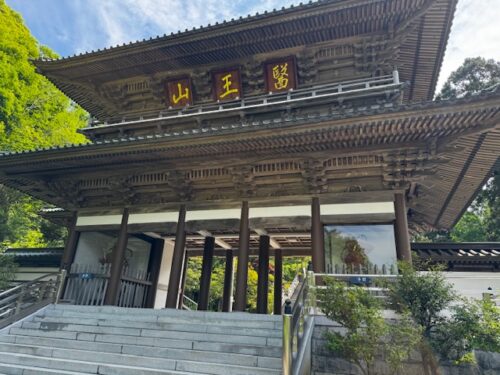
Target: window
x=365, y=249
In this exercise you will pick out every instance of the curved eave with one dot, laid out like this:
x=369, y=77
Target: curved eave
x=419, y=56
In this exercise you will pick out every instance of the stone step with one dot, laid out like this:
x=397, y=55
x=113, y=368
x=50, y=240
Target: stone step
x=66, y=360
x=48, y=348
x=206, y=315
x=175, y=317
x=6, y=369
x=93, y=333
x=179, y=326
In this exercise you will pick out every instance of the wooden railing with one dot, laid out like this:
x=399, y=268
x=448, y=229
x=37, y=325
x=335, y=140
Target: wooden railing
x=24, y=299
x=87, y=284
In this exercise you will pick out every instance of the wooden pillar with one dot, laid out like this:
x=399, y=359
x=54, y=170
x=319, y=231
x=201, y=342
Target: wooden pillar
x=240, y=303
x=117, y=258
x=206, y=273
x=278, y=281
x=154, y=269
x=177, y=259
x=228, y=283
x=263, y=280
x=317, y=238
x=183, y=282
x=71, y=244
x=403, y=249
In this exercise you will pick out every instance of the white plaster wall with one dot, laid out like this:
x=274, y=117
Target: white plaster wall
x=474, y=284
x=164, y=276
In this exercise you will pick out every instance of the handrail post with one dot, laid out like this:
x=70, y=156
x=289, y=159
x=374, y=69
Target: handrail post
x=311, y=284
x=20, y=300
x=61, y=279
x=287, y=357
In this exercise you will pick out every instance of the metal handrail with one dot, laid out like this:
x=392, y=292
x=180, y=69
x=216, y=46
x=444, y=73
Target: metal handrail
x=297, y=326
x=26, y=298
x=193, y=303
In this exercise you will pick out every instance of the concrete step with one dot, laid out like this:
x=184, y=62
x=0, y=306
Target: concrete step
x=6, y=369
x=168, y=316
x=94, y=363
x=49, y=347
x=206, y=315
x=93, y=333
x=45, y=321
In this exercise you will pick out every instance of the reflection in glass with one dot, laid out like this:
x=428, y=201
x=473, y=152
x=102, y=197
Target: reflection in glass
x=360, y=249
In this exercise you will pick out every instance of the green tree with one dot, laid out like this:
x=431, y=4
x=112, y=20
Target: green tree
x=482, y=220
x=33, y=114
x=368, y=336
x=7, y=270
x=466, y=326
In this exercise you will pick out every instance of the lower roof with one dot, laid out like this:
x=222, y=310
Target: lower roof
x=440, y=153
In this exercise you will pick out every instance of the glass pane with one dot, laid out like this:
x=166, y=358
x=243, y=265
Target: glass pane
x=360, y=249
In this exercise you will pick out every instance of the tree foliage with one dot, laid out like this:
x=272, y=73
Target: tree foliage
x=33, y=114
x=452, y=327
x=7, y=270
x=367, y=334
x=481, y=222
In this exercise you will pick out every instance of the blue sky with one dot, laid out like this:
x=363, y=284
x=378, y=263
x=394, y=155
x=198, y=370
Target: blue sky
x=75, y=26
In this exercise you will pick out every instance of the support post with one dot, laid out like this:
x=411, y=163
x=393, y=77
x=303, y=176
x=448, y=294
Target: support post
x=403, y=249
x=317, y=238
x=71, y=244
x=240, y=303
x=177, y=258
x=183, y=282
x=206, y=273
x=278, y=281
x=263, y=279
x=117, y=258
x=228, y=283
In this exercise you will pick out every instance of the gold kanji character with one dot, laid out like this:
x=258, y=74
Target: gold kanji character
x=227, y=86
x=177, y=98
x=280, y=76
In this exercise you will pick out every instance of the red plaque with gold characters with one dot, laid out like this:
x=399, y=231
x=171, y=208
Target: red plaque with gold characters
x=227, y=85
x=179, y=92
x=281, y=75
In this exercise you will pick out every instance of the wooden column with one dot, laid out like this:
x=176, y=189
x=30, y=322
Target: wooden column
x=228, y=283
x=403, y=249
x=183, y=282
x=177, y=259
x=117, y=258
x=206, y=273
x=263, y=280
x=71, y=244
x=240, y=302
x=154, y=269
x=278, y=281
x=317, y=238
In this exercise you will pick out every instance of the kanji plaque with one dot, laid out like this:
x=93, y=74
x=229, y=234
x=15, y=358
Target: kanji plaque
x=281, y=75
x=179, y=92
x=227, y=85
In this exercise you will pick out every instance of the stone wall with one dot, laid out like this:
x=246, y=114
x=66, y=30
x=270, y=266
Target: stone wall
x=324, y=362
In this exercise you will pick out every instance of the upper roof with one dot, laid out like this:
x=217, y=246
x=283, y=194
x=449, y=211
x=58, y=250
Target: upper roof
x=408, y=34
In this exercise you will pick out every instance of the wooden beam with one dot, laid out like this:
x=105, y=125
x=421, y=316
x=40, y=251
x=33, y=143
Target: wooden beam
x=317, y=238
x=278, y=281
x=403, y=249
x=218, y=240
x=227, y=294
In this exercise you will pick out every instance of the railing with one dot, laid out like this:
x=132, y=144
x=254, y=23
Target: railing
x=188, y=303
x=382, y=85
x=24, y=299
x=298, y=324
x=87, y=284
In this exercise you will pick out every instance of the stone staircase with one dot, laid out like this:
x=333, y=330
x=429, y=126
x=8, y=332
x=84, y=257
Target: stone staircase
x=66, y=339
